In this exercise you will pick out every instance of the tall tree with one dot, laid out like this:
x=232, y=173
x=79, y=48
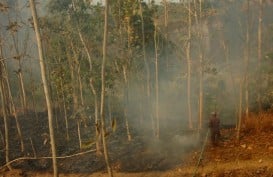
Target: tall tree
x=156, y=82
x=166, y=17
x=46, y=88
x=126, y=101
x=104, y=55
x=247, y=62
x=4, y=110
x=97, y=122
x=147, y=68
x=9, y=98
x=239, y=123
x=260, y=51
x=189, y=62
x=126, y=63
x=91, y=83
x=13, y=27
x=201, y=59
x=14, y=111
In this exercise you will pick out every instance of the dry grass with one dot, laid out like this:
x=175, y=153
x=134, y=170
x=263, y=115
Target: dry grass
x=262, y=122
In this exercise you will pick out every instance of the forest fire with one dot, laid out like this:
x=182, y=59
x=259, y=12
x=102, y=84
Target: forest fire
x=127, y=88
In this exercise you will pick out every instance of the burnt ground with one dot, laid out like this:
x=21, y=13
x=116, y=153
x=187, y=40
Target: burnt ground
x=142, y=153
x=175, y=154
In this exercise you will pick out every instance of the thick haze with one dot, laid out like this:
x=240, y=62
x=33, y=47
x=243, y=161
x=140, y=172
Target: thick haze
x=224, y=54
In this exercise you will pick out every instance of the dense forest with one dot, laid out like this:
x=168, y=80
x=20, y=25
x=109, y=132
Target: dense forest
x=96, y=78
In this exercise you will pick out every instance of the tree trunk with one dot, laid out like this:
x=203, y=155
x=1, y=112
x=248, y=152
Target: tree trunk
x=78, y=67
x=56, y=105
x=126, y=101
x=79, y=133
x=144, y=52
x=188, y=55
x=146, y=65
x=97, y=123
x=80, y=85
x=22, y=88
x=65, y=112
x=156, y=83
x=33, y=148
x=201, y=92
x=86, y=51
x=34, y=102
x=240, y=111
x=2, y=139
x=109, y=108
x=73, y=63
x=46, y=90
x=20, y=75
x=96, y=104
x=10, y=98
x=32, y=90
x=201, y=58
x=247, y=62
x=104, y=53
x=17, y=122
x=260, y=52
x=5, y=121
x=63, y=106
x=166, y=15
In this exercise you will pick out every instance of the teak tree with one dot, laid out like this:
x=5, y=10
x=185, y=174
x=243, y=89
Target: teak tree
x=5, y=114
x=156, y=82
x=259, y=51
x=9, y=98
x=198, y=20
x=45, y=86
x=102, y=114
x=147, y=68
x=189, y=63
x=247, y=61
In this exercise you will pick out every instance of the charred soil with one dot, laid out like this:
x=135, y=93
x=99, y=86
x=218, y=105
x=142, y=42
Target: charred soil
x=175, y=154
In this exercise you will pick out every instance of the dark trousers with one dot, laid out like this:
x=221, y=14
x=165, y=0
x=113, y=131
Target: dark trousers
x=215, y=136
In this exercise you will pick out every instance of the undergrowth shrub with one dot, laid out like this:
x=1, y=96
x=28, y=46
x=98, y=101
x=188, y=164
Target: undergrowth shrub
x=262, y=122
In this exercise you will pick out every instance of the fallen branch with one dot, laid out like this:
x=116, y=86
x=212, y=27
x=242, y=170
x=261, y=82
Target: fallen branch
x=38, y=158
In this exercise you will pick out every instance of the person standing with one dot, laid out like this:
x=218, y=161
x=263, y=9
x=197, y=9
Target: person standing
x=214, y=126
